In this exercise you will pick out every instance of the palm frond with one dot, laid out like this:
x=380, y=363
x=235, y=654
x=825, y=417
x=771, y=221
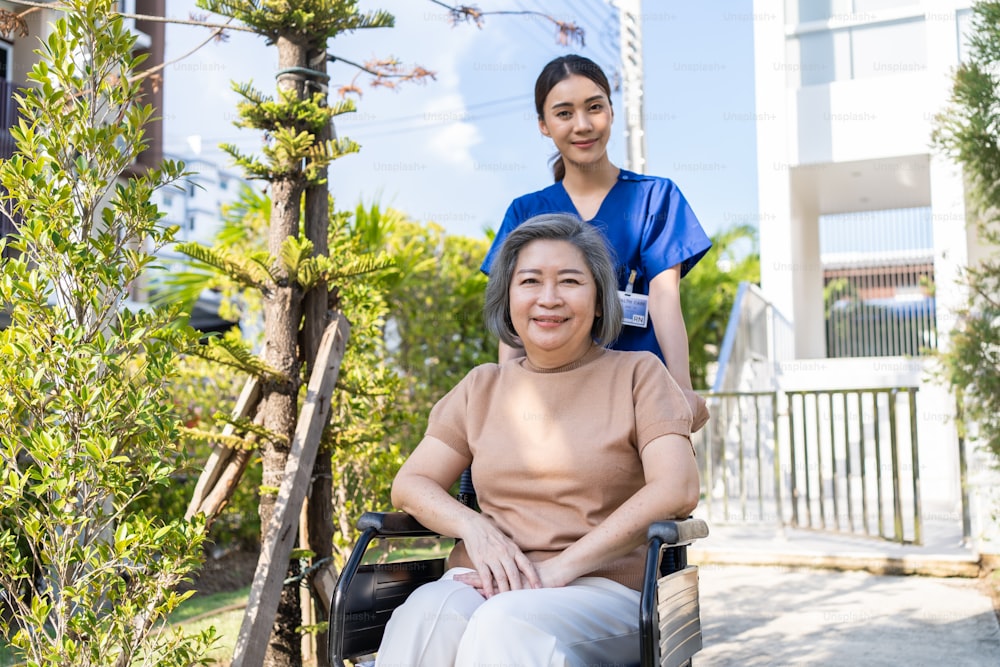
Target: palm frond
x=236, y=354
x=378, y=18
x=180, y=287
x=247, y=426
x=252, y=167
x=248, y=272
x=208, y=437
x=365, y=264
x=250, y=94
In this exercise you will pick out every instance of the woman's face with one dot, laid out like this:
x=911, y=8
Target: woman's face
x=577, y=117
x=553, y=302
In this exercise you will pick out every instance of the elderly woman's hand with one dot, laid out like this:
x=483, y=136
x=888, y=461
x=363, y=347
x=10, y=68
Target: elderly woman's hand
x=500, y=565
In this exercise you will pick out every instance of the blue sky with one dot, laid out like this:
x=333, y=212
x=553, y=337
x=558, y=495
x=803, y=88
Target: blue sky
x=457, y=149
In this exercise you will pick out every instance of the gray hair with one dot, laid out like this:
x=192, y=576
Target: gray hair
x=596, y=254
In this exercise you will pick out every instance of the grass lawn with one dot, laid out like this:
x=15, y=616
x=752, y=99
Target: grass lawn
x=224, y=611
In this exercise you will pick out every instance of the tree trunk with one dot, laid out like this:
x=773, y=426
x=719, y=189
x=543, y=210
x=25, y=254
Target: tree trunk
x=319, y=517
x=282, y=314
x=282, y=311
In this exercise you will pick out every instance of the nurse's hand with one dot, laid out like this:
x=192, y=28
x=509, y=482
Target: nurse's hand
x=699, y=409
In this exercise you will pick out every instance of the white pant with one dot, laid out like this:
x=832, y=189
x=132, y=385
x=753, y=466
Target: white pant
x=592, y=621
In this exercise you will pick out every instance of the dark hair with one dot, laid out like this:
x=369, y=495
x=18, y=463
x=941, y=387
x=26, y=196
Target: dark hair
x=596, y=254
x=558, y=70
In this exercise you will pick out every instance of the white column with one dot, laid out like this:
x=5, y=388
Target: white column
x=775, y=126
x=806, y=278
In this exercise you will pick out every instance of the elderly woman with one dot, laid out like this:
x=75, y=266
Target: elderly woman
x=575, y=449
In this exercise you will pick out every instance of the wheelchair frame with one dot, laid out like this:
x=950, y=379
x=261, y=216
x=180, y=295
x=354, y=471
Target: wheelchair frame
x=366, y=595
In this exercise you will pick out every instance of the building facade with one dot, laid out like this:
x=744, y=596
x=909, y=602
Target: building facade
x=195, y=205
x=846, y=94
x=17, y=57
x=858, y=212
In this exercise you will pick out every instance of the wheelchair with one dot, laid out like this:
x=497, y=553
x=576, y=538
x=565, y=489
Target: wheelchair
x=366, y=595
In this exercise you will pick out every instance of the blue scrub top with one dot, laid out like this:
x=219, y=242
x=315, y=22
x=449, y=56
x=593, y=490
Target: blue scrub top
x=650, y=228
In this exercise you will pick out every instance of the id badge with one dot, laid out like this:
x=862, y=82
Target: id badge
x=635, y=309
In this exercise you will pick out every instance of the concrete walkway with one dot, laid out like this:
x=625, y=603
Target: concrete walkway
x=776, y=598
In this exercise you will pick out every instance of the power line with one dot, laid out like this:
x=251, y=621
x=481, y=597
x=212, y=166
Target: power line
x=432, y=125
x=536, y=19
x=446, y=114
x=428, y=121
x=608, y=33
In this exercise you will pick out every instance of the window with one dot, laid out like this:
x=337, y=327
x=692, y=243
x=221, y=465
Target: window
x=964, y=19
x=815, y=10
x=6, y=60
x=862, y=6
x=882, y=49
x=889, y=48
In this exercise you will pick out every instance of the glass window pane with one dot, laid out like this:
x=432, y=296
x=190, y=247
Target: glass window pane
x=861, y=6
x=815, y=10
x=964, y=19
x=890, y=48
x=823, y=57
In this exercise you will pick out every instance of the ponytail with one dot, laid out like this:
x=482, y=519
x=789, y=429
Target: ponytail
x=558, y=167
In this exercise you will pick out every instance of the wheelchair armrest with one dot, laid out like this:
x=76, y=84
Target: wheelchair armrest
x=667, y=636
x=678, y=532
x=393, y=524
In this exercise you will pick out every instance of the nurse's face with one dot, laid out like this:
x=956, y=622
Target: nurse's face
x=577, y=117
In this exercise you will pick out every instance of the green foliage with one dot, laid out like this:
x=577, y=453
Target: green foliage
x=436, y=318
x=202, y=395
x=968, y=131
x=86, y=426
x=234, y=352
x=413, y=296
x=708, y=293
x=321, y=20
x=236, y=267
x=311, y=114
x=363, y=401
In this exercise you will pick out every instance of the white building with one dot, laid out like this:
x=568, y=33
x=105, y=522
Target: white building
x=195, y=205
x=846, y=95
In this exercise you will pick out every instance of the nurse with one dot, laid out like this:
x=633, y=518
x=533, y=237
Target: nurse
x=649, y=225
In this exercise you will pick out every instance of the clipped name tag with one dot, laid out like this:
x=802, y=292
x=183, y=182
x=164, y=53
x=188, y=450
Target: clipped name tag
x=635, y=309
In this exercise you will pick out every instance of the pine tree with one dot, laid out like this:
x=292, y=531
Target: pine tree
x=293, y=276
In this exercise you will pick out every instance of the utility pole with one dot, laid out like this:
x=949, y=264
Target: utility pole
x=630, y=44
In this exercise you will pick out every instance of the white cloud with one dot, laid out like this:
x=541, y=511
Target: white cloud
x=453, y=141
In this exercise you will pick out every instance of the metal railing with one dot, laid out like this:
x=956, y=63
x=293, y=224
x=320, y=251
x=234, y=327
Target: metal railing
x=878, y=275
x=739, y=461
x=843, y=461
x=853, y=462
x=757, y=338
